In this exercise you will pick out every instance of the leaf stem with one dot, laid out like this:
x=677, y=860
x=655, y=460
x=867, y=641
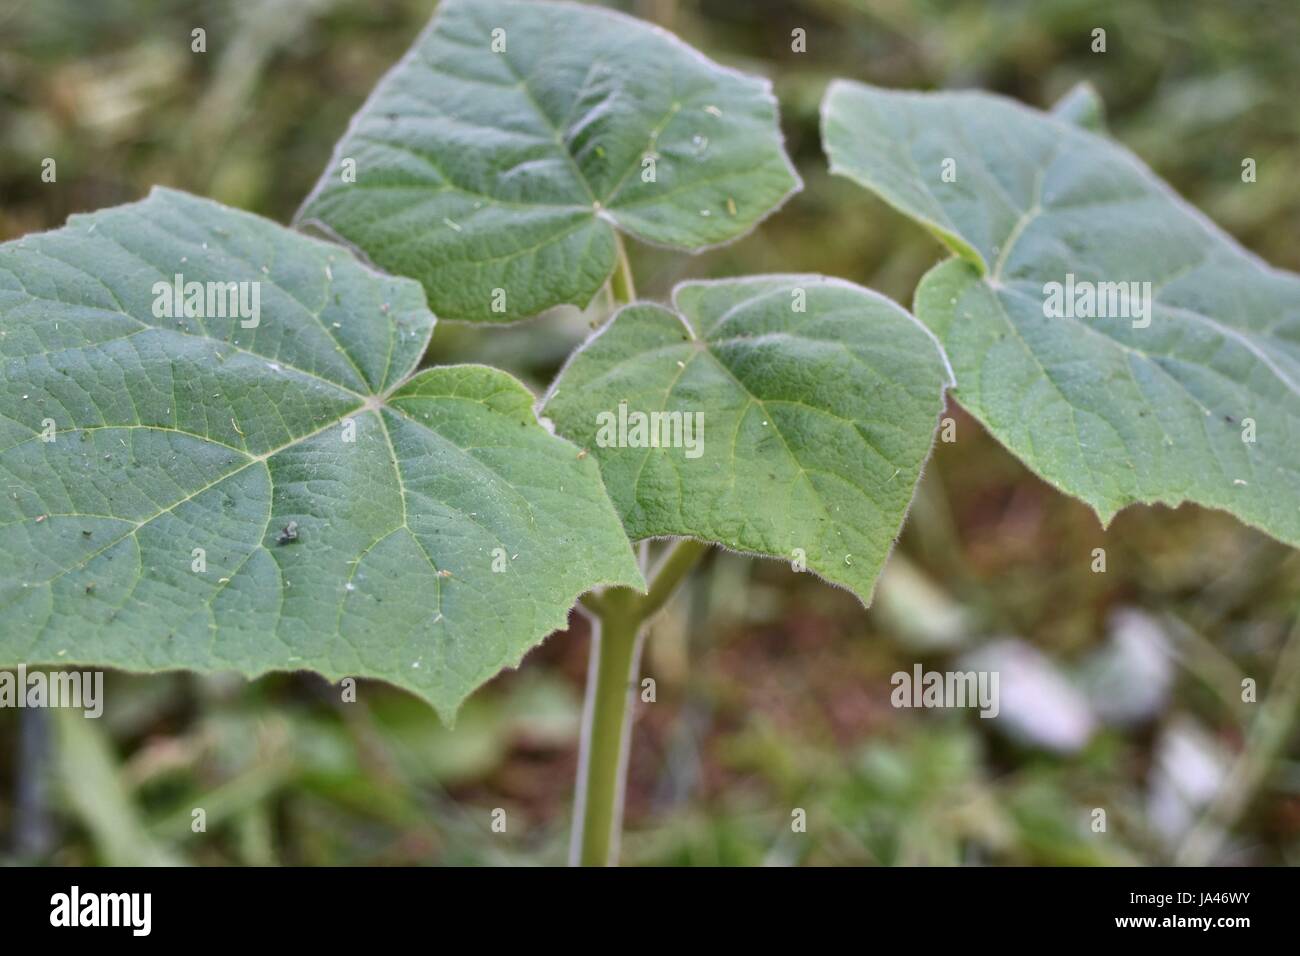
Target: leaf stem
x=681, y=558
x=602, y=765
x=620, y=283
x=618, y=627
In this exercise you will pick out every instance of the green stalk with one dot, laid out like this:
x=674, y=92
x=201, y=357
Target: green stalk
x=681, y=558
x=620, y=283
x=619, y=616
x=602, y=767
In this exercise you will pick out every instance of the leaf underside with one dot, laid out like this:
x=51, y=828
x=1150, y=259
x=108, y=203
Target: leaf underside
x=1106, y=411
x=498, y=179
x=347, y=513
x=816, y=423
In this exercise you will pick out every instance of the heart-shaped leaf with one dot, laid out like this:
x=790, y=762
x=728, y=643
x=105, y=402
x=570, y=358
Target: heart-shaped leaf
x=1119, y=343
x=247, y=476
x=496, y=160
x=783, y=415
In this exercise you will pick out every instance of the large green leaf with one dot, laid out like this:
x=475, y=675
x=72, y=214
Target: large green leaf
x=349, y=513
x=818, y=401
x=1131, y=408
x=497, y=177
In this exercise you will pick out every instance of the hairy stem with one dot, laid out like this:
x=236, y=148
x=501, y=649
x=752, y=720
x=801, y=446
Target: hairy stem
x=619, y=619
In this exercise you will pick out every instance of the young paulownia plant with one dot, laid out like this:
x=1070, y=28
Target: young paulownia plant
x=500, y=162
x=217, y=453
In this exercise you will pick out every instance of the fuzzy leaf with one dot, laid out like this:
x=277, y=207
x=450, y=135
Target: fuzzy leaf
x=347, y=514
x=816, y=422
x=1195, y=399
x=496, y=160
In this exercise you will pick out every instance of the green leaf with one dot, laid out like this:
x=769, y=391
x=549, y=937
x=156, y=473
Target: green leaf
x=348, y=513
x=1145, y=405
x=814, y=403
x=496, y=161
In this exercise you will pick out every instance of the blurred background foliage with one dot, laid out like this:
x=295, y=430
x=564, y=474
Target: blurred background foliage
x=1121, y=690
